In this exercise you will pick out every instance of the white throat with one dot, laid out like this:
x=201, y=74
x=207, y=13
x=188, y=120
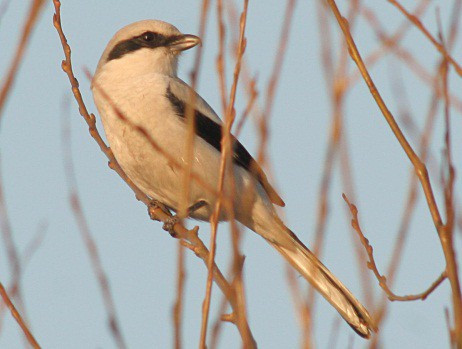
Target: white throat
x=139, y=63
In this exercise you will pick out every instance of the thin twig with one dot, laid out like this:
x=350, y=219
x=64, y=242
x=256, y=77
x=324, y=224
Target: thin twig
x=29, y=25
x=190, y=116
x=18, y=318
x=189, y=149
x=225, y=157
x=336, y=151
x=87, y=238
x=443, y=230
x=274, y=79
x=439, y=46
x=29, y=251
x=424, y=153
x=372, y=265
x=178, y=305
x=447, y=233
x=404, y=55
x=4, y=8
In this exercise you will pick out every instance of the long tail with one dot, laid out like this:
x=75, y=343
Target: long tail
x=305, y=262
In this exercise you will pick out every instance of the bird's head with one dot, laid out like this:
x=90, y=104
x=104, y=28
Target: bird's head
x=145, y=47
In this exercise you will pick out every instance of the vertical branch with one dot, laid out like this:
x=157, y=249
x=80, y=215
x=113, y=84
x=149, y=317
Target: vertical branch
x=190, y=117
x=7, y=235
x=239, y=315
x=336, y=151
x=26, y=256
x=448, y=229
x=29, y=24
x=5, y=89
x=189, y=148
x=178, y=306
x=274, y=79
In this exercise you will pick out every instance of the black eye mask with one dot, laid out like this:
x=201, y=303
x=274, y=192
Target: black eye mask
x=146, y=40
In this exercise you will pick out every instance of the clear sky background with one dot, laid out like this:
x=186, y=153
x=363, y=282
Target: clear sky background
x=62, y=298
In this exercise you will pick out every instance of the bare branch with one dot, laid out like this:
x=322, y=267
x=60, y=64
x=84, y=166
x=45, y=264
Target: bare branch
x=372, y=266
x=87, y=238
x=29, y=24
x=439, y=46
x=18, y=318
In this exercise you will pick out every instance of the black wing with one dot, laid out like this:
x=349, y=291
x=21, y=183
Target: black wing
x=212, y=132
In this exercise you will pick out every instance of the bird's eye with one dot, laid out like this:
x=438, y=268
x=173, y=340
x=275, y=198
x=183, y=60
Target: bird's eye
x=148, y=36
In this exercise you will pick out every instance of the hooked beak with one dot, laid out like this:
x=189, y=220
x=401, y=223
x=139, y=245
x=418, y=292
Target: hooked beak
x=184, y=42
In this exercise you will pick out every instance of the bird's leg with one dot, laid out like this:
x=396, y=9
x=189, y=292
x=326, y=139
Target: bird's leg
x=172, y=220
x=196, y=206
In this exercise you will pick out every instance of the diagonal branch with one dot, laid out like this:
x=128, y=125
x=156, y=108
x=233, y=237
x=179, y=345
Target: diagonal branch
x=439, y=46
x=88, y=240
x=18, y=318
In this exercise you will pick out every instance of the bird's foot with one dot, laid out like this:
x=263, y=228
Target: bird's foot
x=170, y=223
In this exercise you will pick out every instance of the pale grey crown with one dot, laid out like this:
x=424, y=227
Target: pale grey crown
x=129, y=38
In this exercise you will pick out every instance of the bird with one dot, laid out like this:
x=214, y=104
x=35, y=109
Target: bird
x=135, y=87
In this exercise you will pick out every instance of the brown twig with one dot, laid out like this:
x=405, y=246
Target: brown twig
x=404, y=55
x=31, y=247
x=4, y=8
x=388, y=42
x=373, y=266
x=237, y=49
x=18, y=318
x=178, y=305
x=34, y=244
x=424, y=152
x=8, y=81
x=274, y=79
x=336, y=152
x=87, y=237
x=408, y=211
x=7, y=235
x=29, y=24
x=189, y=148
x=190, y=116
x=448, y=186
x=90, y=119
x=248, y=341
x=443, y=230
x=439, y=46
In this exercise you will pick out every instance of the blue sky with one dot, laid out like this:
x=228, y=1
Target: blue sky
x=62, y=298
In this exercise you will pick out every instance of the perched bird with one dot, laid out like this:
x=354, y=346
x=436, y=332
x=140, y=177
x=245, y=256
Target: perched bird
x=136, y=86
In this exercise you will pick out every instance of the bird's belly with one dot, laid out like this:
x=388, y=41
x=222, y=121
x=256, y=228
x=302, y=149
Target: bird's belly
x=156, y=160
x=150, y=144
